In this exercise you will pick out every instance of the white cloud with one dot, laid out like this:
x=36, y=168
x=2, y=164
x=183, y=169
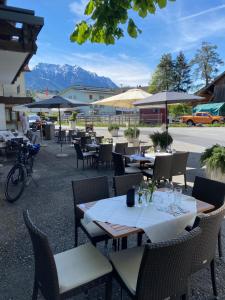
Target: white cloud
x=122, y=69
x=78, y=7
x=203, y=12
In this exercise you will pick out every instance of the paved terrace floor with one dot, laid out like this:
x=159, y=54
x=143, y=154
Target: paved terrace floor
x=51, y=207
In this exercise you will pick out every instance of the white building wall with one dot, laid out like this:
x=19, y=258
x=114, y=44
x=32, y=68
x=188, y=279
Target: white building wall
x=2, y=117
x=15, y=90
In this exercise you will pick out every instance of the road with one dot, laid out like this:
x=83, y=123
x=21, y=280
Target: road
x=200, y=136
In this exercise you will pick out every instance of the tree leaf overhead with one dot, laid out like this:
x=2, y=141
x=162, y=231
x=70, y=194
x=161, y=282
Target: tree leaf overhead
x=108, y=19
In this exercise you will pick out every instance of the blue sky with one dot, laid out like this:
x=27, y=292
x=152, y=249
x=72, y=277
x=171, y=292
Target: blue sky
x=182, y=25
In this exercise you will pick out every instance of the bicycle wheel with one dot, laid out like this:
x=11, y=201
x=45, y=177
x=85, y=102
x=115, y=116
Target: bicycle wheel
x=15, y=183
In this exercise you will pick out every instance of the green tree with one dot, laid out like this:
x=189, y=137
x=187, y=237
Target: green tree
x=182, y=76
x=108, y=17
x=180, y=109
x=207, y=62
x=163, y=77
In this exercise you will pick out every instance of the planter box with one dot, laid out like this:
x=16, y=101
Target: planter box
x=114, y=132
x=72, y=124
x=215, y=174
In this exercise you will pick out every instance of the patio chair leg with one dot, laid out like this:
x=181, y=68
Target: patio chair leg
x=139, y=239
x=213, y=277
x=77, y=163
x=121, y=293
x=83, y=163
x=35, y=289
x=185, y=181
x=76, y=236
x=108, y=288
x=220, y=245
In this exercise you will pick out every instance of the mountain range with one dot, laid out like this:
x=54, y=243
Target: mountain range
x=58, y=77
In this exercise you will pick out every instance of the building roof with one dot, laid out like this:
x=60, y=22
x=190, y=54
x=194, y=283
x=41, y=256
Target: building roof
x=210, y=87
x=88, y=89
x=19, y=29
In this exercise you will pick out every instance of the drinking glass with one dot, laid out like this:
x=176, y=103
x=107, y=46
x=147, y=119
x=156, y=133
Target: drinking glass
x=177, y=195
x=139, y=193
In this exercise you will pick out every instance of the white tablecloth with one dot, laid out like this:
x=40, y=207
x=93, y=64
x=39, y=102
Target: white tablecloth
x=148, y=156
x=161, y=220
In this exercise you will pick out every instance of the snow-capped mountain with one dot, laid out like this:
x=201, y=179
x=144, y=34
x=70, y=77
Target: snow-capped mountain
x=58, y=77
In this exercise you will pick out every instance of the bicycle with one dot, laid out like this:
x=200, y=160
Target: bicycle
x=22, y=169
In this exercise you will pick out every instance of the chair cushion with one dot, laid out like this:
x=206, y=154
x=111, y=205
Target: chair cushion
x=131, y=170
x=92, y=228
x=90, y=153
x=127, y=264
x=79, y=266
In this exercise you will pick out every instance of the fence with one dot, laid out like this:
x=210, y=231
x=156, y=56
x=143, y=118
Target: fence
x=122, y=120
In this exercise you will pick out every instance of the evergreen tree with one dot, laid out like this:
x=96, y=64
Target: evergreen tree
x=163, y=77
x=182, y=76
x=207, y=62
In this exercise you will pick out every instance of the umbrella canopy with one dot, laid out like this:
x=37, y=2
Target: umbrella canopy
x=167, y=98
x=123, y=100
x=56, y=102
x=24, y=108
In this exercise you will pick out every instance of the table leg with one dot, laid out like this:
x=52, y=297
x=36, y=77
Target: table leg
x=139, y=239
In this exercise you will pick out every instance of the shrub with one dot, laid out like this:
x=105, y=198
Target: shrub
x=163, y=139
x=132, y=132
x=113, y=127
x=214, y=158
x=73, y=117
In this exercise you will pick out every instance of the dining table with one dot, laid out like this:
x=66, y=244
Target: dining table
x=120, y=230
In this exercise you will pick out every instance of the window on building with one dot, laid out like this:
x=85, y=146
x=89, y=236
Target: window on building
x=18, y=89
x=7, y=115
x=90, y=97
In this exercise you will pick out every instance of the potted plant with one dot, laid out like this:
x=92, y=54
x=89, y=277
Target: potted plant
x=161, y=139
x=132, y=135
x=214, y=160
x=114, y=129
x=72, y=120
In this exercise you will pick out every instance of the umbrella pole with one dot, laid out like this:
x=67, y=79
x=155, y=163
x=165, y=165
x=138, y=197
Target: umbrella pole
x=167, y=124
x=60, y=135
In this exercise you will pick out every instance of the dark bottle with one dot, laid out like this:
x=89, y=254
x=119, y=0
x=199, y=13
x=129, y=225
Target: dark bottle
x=131, y=197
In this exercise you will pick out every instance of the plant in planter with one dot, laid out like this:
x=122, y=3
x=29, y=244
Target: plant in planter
x=214, y=160
x=132, y=135
x=114, y=129
x=161, y=139
x=72, y=120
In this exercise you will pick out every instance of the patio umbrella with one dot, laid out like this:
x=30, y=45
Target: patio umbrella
x=59, y=103
x=167, y=98
x=123, y=100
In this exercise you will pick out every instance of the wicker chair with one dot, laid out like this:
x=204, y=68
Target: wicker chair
x=62, y=136
x=67, y=273
x=161, y=170
x=212, y=192
x=158, y=270
x=130, y=151
x=119, y=167
x=121, y=148
x=105, y=155
x=89, y=190
x=204, y=255
x=123, y=183
x=179, y=165
x=84, y=156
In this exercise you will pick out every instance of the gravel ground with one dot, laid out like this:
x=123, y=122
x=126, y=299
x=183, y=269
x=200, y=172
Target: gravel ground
x=51, y=207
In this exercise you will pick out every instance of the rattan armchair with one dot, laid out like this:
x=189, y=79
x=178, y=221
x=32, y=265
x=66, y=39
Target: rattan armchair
x=83, y=156
x=67, y=273
x=89, y=190
x=125, y=182
x=161, y=169
x=104, y=156
x=179, y=165
x=119, y=166
x=212, y=192
x=121, y=148
x=156, y=271
x=204, y=255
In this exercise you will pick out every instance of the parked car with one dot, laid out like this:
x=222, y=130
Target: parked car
x=202, y=118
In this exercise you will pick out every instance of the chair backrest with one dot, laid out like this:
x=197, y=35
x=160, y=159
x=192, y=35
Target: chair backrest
x=165, y=267
x=80, y=134
x=210, y=191
x=61, y=135
x=105, y=152
x=179, y=163
x=162, y=167
x=131, y=150
x=45, y=268
x=119, y=168
x=90, y=189
x=99, y=139
x=78, y=151
x=125, y=182
x=121, y=148
x=210, y=225
x=84, y=140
